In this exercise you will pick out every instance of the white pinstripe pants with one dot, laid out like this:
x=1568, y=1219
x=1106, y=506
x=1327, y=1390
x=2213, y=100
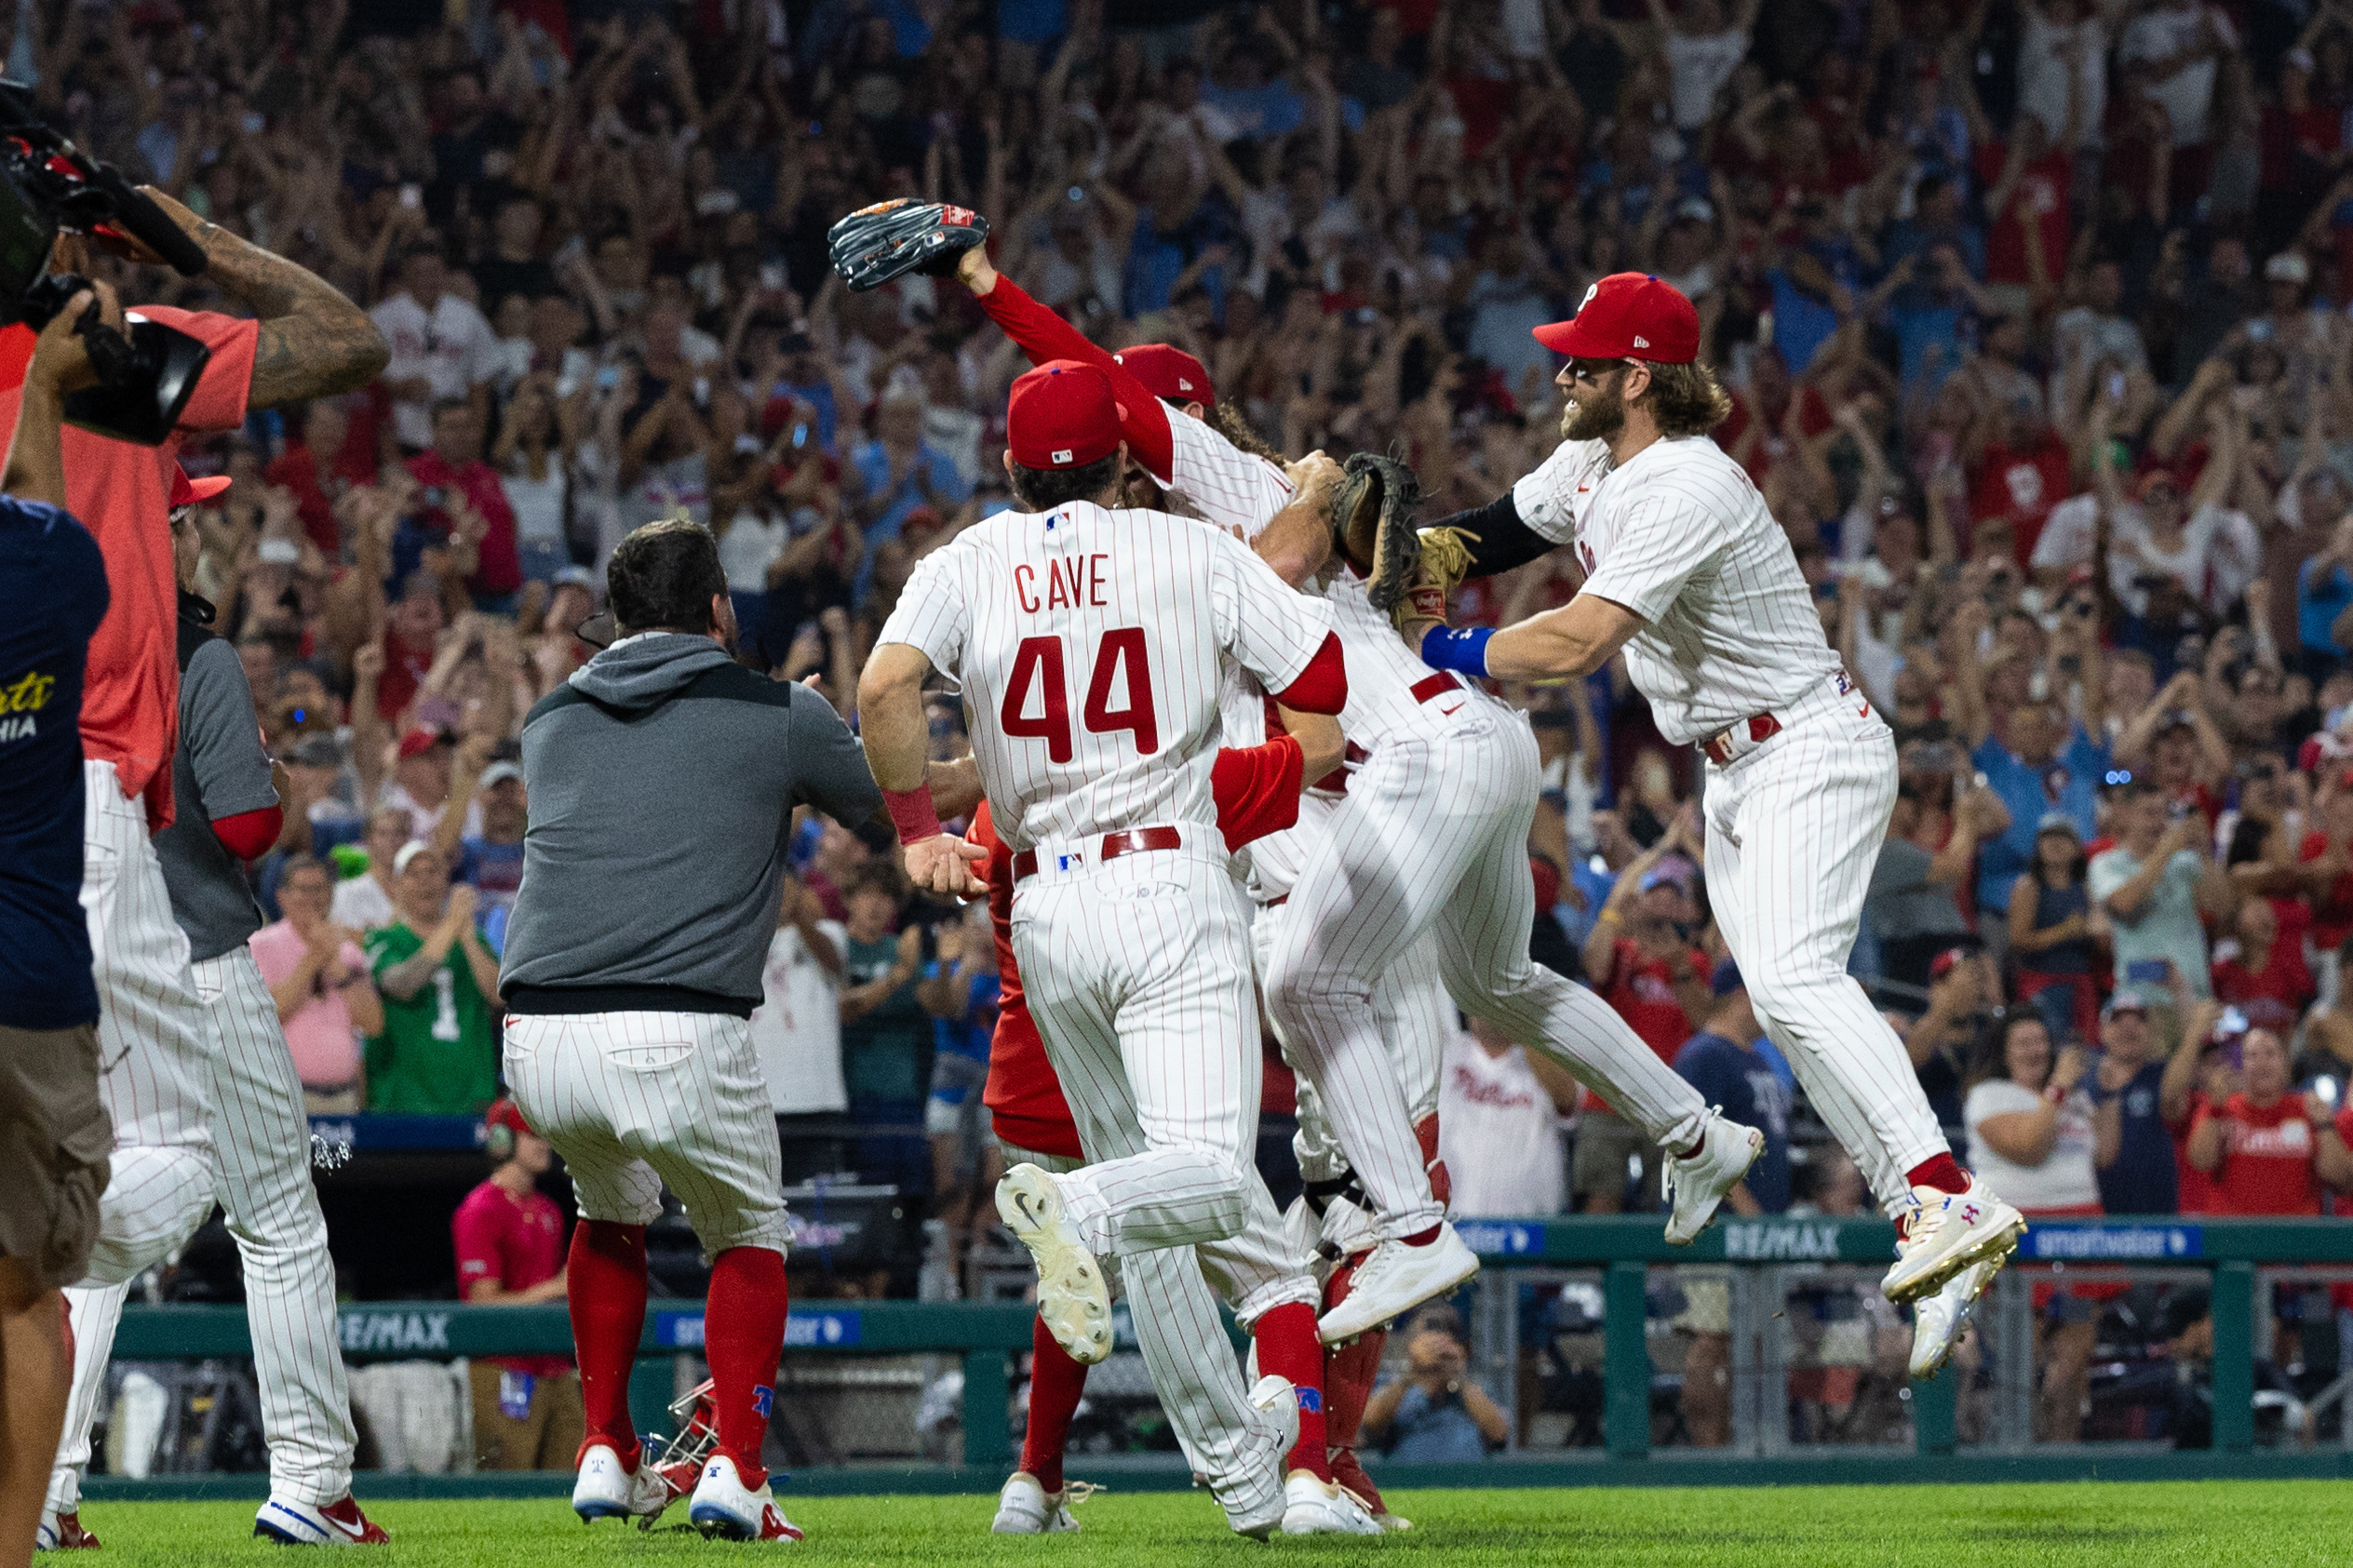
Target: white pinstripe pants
x=1138, y=973
x=1793, y=830
x=1190, y=1362
x=1416, y=1017
x=262, y=1169
x=634, y=1100
x=1433, y=833
x=152, y=1051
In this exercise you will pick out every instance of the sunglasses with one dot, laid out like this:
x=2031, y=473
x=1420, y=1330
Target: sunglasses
x=1594, y=369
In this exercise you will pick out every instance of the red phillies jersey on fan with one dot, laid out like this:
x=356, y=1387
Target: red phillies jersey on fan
x=1091, y=645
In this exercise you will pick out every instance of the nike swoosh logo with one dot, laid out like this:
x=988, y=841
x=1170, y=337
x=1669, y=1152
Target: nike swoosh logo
x=1444, y=713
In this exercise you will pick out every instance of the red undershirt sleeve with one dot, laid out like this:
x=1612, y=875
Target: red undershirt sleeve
x=1323, y=685
x=248, y=835
x=1044, y=335
x=1256, y=789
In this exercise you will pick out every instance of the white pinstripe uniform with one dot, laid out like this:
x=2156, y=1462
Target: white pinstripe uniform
x=1679, y=536
x=1430, y=842
x=632, y=1100
x=1234, y=489
x=153, y=1072
x=1091, y=645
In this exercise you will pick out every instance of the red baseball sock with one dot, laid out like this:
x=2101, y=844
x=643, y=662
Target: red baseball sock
x=605, y=1282
x=1943, y=1172
x=744, y=1337
x=1056, y=1383
x=1421, y=1238
x=1288, y=1347
x=1426, y=1134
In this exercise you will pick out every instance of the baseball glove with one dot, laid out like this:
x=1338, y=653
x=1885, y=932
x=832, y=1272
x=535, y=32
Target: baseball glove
x=1445, y=562
x=1372, y=526
x=892, y=238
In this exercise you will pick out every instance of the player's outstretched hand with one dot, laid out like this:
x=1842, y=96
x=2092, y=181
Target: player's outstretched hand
x=943, y=863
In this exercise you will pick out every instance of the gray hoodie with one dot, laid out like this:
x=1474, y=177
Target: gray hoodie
x=662, y=780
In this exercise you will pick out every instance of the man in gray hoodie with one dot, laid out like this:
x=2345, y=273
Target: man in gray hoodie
x=663, y=778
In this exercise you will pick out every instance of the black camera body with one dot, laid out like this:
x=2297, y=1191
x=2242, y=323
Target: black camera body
x=48, y=187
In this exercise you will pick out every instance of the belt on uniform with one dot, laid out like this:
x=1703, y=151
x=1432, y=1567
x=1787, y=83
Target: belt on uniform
x=1113, y=845
x=1276, y=903
x=1718, y=747
x=1436, y=686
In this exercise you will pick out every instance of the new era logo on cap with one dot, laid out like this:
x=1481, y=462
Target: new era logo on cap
x=1641, y=341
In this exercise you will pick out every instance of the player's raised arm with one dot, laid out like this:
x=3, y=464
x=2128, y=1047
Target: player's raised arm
x=1045, y=336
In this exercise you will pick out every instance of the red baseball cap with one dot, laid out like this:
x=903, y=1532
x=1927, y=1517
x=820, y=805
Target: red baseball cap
x=1168, y=372
x=189, y=492
x=417, y=741
x=505, y=1113
x=1629, y=315
x=1062, y=415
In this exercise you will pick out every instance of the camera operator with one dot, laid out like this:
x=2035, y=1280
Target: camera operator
x=54, y=1133
x=159, y=1080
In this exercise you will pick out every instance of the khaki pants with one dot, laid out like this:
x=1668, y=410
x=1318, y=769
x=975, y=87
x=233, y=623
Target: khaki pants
x=547, y=1439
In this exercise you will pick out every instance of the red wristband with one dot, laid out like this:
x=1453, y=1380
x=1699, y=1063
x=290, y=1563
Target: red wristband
x=913, y=814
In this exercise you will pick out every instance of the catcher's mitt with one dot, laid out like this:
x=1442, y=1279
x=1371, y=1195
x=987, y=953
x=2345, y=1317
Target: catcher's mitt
x=1372, y=526
x=1445, y=562
x=892, y=238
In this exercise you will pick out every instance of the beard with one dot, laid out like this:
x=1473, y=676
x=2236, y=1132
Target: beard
x=1596, y=418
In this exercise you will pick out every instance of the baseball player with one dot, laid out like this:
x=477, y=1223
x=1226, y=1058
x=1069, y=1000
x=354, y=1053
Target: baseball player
x=1091, y=644
x=309, y=342
x=628, y=1033
x=1686, y=571
x=1257, y=788
x=226, y=813
x=1431, y=837
x=1248, y=491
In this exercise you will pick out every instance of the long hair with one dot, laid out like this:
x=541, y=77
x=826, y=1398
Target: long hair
x=1685, y=399
x=1225, y=418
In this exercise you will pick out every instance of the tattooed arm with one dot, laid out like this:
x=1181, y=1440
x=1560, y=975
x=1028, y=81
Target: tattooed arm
x=313, y=342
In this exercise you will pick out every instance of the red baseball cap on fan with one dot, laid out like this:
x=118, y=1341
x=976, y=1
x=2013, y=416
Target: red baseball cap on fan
x=1062, y=415
x=1168, y=372
x=505, y=1113
x=189, y=493
x=1629, y=315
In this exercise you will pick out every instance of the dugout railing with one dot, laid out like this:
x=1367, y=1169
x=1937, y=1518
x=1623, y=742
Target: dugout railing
x=1625, y=1259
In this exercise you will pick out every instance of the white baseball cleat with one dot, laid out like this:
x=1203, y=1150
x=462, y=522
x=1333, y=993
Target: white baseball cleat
x=1944, y=1233
x=606, y=1489
x=1393, y=1279
x=1259, y=1515
x=1311, y=1507
x=1072, y=1298
x=62, y=1532
x=1024, y=1508
x=339, y=1523
x=1938, y=1319
x=1694, y=1187
x=724, y=1507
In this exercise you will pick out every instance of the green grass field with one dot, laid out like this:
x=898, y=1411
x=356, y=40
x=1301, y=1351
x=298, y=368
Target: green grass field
x=2199, y=1524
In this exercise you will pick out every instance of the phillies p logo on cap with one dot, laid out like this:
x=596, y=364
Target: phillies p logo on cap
x=1628, y=316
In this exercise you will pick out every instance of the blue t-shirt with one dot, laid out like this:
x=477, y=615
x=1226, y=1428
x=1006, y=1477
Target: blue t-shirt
x=968, y=1034
x=1801, y=322
x=1743, y=1083
x=52, y=597
x=2319, y=604
x=1430, y=1433
x=2143, y=1179
x=2069, y=783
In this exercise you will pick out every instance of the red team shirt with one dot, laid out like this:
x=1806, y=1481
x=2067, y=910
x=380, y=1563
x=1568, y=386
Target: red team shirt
x=2267, y=1163
x=130, y=706
x=1641, y=992
x=516, y=1245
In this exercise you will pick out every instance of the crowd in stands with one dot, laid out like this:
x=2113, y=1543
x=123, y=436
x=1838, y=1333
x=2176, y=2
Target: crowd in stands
x=2033, y=311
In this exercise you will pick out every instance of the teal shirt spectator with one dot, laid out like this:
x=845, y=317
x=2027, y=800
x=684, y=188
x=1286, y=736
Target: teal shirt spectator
x=2168, y=928
x=2069, y=783
x=2320, y=600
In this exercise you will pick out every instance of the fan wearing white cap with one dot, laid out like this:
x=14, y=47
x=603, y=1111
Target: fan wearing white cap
x=1688, y=574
